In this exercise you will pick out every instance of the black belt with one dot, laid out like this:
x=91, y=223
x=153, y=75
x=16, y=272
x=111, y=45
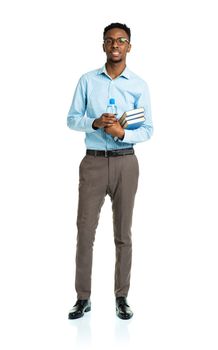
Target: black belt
x=110, y=153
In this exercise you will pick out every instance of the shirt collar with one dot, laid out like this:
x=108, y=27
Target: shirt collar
x=125, y=73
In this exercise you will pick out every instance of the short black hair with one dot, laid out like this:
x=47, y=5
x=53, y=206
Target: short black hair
x=117, y=25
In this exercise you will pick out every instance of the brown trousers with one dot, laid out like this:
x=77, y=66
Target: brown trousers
x=99, y=176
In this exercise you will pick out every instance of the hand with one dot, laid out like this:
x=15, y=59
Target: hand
x=115, y=130
x=106, y=119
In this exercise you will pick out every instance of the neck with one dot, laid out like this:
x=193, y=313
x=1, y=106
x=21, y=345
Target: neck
x=115, y=69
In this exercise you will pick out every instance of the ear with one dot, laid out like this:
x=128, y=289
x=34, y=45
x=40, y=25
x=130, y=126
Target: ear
x=103, y=47
x=129, y=48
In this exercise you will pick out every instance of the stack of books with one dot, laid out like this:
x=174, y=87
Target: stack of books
x=132, y=119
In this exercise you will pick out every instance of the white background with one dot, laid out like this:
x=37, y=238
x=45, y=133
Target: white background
x=45, y=47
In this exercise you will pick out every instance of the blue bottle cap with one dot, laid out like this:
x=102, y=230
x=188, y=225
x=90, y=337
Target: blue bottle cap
x=112, y=101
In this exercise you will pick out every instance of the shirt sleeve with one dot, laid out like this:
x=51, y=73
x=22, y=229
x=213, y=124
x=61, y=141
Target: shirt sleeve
x=145, y=131
x=77, y=119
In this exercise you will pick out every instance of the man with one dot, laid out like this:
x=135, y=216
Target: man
x=110, y=165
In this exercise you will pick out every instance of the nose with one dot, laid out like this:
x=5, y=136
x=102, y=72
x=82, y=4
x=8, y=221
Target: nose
x=115, y=43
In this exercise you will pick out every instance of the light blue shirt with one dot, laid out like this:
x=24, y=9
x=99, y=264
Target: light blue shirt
x=91, y=98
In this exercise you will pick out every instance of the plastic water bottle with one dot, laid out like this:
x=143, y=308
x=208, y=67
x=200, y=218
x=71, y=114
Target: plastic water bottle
x=111, y=107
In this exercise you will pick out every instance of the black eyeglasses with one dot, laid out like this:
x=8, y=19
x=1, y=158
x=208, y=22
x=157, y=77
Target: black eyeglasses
x=120, y=41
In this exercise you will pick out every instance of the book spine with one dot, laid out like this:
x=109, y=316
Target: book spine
x=134, y=111
x=134, y=125
x=136, y=116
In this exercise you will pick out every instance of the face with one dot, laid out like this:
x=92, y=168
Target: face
x=116, y=50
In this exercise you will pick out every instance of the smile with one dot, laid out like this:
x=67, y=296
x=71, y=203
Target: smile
x=115, y=53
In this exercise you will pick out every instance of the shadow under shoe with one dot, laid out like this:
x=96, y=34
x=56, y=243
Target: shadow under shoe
x=79, y=309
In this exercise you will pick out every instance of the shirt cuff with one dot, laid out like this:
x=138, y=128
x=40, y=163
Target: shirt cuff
x=89, y=127
x=116, y=138
x=127, y=137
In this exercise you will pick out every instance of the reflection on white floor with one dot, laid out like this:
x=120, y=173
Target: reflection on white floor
x=82, y=331
x=100, y=331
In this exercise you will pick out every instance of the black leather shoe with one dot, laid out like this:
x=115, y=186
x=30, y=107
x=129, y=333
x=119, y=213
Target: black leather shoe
x=79, y=308
x=122, y=308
